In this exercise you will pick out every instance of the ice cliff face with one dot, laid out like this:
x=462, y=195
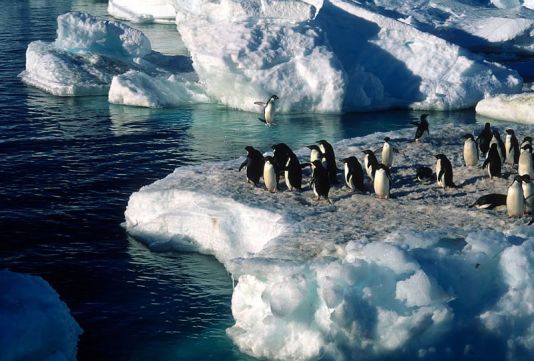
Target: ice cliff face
x=330, y=56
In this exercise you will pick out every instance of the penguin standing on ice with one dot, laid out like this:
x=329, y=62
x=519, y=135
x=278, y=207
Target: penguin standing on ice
x=353, y=174
x=268, y=110
x=320, y=182
x=484, y=139
x=493, y=162
x=511, y=146
x=496, y=139
x=470, y=151
x=490, y=201
x=293, y=173
x=281, y=152
x=269, y=175
x=254, y=164
x=526, y=163
x=328, y=151
x=422, y=130
x=382, y=182
x=515, y=201
x=528, y=193
x=370, y=163
x=444, y=173
x=387, y=153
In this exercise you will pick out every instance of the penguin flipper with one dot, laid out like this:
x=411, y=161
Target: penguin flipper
x=260, y=103
x=262, y=120
x=242, y=165
x=441, y=172
x=415, y=123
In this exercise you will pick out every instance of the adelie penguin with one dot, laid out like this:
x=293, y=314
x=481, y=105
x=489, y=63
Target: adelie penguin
x=269, y=175
x=470, y=151
x=353, y=174
x=484, y=139
x=281, y=152
x=511, y=146
x=370, y=163
x=320, y=182
x=496, y=139
x=493, y=162
x=526, y=163
x=424, y=174
x=293, y=173
x=528, y=193
x=387, y=153
x=422, y=130
x=526, y=140
x=268, y=110
x=382, y=182
x=490, y=201
x=444, y=175
x=254, y=164
x=515, y=201
x=328, y=151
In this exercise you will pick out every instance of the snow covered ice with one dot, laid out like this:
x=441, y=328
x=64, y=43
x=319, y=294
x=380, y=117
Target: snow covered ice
x=418, y=276
x=517, y=107
x=34, y=323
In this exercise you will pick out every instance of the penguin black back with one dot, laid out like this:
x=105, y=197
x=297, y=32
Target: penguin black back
x=293, y=172
x=281, y=153
x=422, y=128
x=371, y=162
x=484, y=138
x=444, y=172
x=493, y=162
x=254, y=164
x=330, y=160
x=354, y=173
x=320, y=180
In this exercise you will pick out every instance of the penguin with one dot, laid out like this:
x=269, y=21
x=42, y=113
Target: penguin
x=444, y=173
x=424, y=174
x=293, y=173
x=281, y=154
x=269, y=174
x=331, y=167
x=254, y=164
x=515, y=201
x=382, y=182
x=490, y=201
x=387, y=153
x=315, y=153
x=370, y=163
x=268, y=110
x=511, y=145
x=422, y=130
x=526, y=163
x=470, y=151
x=493, y=162
x=353, y=174
x=528, y=193
x=526, y=140
x=320, y=181
x=496, y=139
x=484, y=139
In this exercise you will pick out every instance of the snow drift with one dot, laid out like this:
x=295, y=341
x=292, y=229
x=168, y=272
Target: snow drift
x=515, y=108
x=34, y=323
x=418, y=276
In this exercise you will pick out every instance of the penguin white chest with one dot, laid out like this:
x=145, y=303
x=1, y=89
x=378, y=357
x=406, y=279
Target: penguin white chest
x=314, y=155
x=470, y=153
x=387, y=155
x=286, y=173
x=509, y=150
x=528, y=194
x=368, y=167
x=269, y=112
x=440, y=181
x=515, y=202
x=381, y=184
x=525, y=165
x=269, y=177
x=348, y=178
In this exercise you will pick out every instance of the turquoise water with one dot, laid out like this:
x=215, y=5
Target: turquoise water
x=69, y=166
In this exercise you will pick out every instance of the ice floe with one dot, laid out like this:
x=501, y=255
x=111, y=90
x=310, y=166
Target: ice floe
x=34, y=323
x=418, y=276
x=144, y=11
x=514, y=108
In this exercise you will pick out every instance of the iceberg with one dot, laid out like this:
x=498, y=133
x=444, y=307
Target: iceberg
x=420, y=275
x=151, y=11
x=513, y=108
x=34, y=323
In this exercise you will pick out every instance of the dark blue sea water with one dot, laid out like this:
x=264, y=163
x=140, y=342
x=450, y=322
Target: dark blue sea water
x=67, y=168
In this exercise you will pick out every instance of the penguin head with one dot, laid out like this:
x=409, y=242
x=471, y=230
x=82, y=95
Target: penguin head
x=249, y=148
x=525, y=178
x=527, y=139
x=527, y=147
x=322, y=142
x=423, y=119
x=269, y=159
x=368, y=151
x=440, y=156
x=469, y=136
x=509, y=131
x=487, y=126
x=350, y=160
x=317, y=164
x=496, y=134
x=493, y=146
x=387, y=139
x=313, y=147
x=273, y=98
x=517, y=179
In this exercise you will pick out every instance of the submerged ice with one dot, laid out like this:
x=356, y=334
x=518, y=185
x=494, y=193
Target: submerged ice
x=418, y=276
x=34, y=323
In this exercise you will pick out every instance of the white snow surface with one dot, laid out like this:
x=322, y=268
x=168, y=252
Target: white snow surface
x=514, y=108
x=143, y=11
x=420, y=275
x=34, y=323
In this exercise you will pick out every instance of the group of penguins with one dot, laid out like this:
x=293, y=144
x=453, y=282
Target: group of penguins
x=519, y=200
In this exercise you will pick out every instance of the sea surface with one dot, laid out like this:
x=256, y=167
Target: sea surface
x=68, y=167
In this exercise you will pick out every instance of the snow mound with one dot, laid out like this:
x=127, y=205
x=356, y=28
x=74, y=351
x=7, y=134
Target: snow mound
x=420, y=275
x=34, y=323
x=514, y=108
x=144, y=11
x=320, y=66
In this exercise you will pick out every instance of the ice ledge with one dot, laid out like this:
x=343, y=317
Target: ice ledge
x=514, y=108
